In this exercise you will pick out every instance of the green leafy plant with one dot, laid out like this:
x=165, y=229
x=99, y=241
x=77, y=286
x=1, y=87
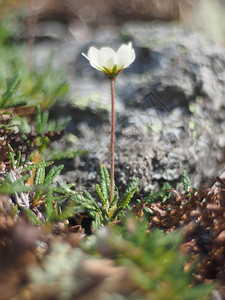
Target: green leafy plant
x=18, y=84
x=45, y=191
x=53, y=154
x=10, y=27
x=43, y=124
x=186, y=181
x=43, y=127
x=40, y=194
x=44, y=87
x=105, y=211
x=161, y=195
x=7, y=98
x=10, y=185
x=156, y=265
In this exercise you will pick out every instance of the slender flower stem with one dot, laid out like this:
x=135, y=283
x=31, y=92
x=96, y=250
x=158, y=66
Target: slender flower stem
x=31, y=33
x=112, y=138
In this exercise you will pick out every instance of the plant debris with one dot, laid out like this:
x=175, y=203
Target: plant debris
x=201, y=215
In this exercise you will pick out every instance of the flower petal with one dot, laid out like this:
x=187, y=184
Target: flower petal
x=92, y=56
x=107, y=58
x=125, y=56
x=109, y=61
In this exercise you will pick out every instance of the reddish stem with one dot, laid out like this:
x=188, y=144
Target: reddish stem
x=112, y=138
x=31, y=33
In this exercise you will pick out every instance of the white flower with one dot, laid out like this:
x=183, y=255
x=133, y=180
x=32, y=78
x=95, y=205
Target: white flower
x=109, y=61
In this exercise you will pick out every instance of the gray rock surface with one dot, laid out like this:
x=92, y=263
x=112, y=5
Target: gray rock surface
x=170, y=108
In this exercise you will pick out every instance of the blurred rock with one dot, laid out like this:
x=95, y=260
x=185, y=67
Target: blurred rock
x=101, y=12
x=170, y=109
